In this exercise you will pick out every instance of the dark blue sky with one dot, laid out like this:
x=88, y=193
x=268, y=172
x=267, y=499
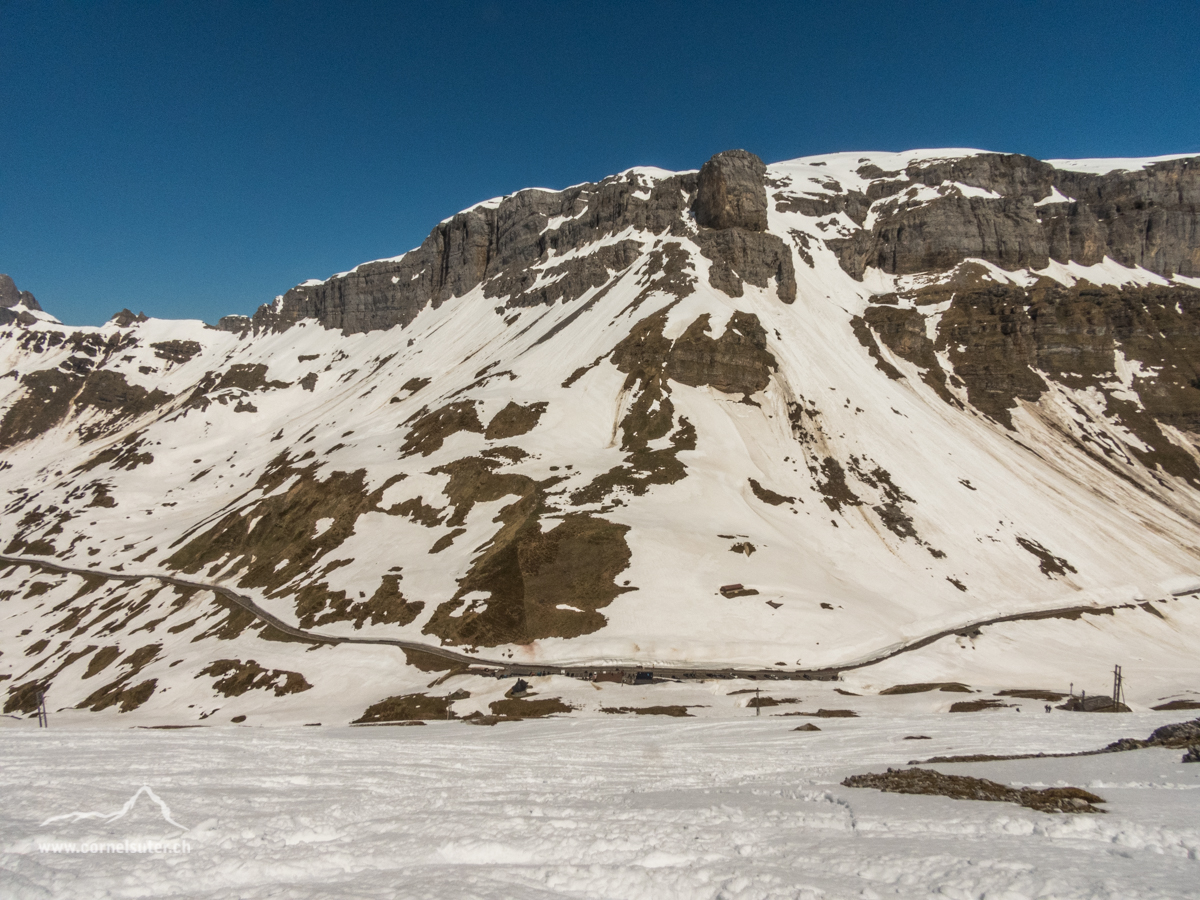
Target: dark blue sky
x=196, y=159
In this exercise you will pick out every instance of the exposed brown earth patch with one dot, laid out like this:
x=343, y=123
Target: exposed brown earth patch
x=282, y=528
x=529, y=574
x=45, y=403
x=827, y=714
x=407, y=707
x=103, y=658
x=446, y=540
x=431, y=429
x=518, y=708
x=108, y=393
x=1032, y=694
x=766, y=495
x=127, y=455
x=514, y=420
x=121, y=692
x=1178, y=704
x=235, y=678
x=1176, y=736
x=176, y=351
x=923, y=687
x=674, y=711
x=23, y=698
x=1049, y=564
x=966, y=787
x=969, y=706
x=831, y=482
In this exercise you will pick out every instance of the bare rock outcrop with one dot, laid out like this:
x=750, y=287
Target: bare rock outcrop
x=11, y=302
x=496, y=245
x=732, y=192
x=10, y=296
x=506, y=245
x=1149, y=217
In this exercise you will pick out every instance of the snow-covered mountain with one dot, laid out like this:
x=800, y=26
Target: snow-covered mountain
x=888, y=394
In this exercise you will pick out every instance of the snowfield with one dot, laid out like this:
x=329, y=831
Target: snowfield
x=625, y=808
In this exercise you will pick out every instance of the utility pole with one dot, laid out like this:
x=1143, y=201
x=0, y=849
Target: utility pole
x=43, y=716
x=757, y=706
x=1118, y=686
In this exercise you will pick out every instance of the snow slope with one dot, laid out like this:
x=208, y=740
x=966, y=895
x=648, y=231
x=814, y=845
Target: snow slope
x=625, y=809
x=389, y=482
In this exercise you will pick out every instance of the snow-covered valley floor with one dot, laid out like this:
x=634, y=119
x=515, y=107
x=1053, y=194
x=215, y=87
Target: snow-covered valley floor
x=630, y=807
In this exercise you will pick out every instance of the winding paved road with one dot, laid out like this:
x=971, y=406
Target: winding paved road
x=501, y=668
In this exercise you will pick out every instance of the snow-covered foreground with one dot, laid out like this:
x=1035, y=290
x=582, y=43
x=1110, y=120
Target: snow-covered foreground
x=594, y=808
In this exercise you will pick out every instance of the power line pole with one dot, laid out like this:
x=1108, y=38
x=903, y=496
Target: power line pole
x=43, y=716
x=1118, y=686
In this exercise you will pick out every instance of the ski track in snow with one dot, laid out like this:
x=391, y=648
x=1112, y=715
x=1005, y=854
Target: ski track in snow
x=596, y=809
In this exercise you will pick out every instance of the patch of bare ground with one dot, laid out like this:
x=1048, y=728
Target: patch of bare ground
x=281, y=549
x=431, y=662
x=176, y=351
x=1176, y=736
x=827, y=714
x=514, y=420
x=406, y=707
x=235, y=678
x=1178, y=704
x=101, y=661
x=23, y=698
x=676, y=711
x=519, y=708
x=969, y=706
x=966, y=787
x=538, y=583
x=923, y=687
x=430, y=430
x=807, y=726
x=766, y=495
x=120, y=691
x=247, y=377
x=757, y=702
x=1024, y=694
x=1049, y=564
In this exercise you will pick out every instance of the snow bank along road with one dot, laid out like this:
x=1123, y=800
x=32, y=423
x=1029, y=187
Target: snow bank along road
x=499, y=668
x=635, y=809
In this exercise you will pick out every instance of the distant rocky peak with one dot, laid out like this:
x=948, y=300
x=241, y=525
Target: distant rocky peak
x=10, y=296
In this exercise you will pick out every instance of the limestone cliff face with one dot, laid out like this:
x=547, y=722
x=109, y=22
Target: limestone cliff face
x=1009, y=209
x=496, y=245
x=1149, y=217
x=499, y=245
